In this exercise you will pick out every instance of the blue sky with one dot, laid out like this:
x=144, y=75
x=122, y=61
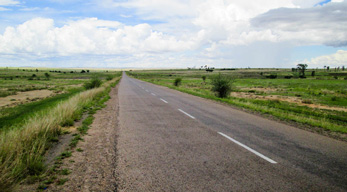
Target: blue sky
x=173, y=33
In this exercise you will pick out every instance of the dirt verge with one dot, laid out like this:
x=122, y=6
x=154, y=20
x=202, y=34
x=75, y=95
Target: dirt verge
x=25, y=97
x=92, y=168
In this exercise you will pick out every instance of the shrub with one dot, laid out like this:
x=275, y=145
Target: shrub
x=108, y=78
x=47, y=76
x=307, y=101
x=93, y=83
x=222, y=84
x=272, y=76
x=204, y=78
x=178, y=81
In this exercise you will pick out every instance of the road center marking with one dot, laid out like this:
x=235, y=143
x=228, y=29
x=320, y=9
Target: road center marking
x=153, y=94
x=186, y=114
x=147, y=90
x=248, y=148
x=163, y=100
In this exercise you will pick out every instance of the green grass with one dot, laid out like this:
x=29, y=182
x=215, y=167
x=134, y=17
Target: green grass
x=16, y=116
x=323, y=91
x=16, y=80
x=22, y=148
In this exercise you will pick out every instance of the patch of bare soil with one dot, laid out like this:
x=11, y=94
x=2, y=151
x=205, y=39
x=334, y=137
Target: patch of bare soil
x=288, y=99
x=93, y=168
x=25, y=97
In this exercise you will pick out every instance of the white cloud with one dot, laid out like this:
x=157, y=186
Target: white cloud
x=312, y=26
x=4, y=9
x=208, y=30
x=88, y=36
x=337, y=59
x=8, y=2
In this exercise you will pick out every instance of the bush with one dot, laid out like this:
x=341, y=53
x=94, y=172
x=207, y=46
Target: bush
x=222, y=84
x=93, y=83
x=307, y=101
x=108, y=78
x=178, y=81
x=272, y=76
x=47, y=76
x=204, y=78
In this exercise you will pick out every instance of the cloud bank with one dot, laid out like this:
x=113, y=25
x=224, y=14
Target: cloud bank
x=181, y=31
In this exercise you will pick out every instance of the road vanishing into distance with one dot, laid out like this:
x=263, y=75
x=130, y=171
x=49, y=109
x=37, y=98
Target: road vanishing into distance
x=172, y=141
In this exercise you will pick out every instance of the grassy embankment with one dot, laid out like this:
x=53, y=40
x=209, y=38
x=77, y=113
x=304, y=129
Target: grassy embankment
x=318, y=101
x=22, y=146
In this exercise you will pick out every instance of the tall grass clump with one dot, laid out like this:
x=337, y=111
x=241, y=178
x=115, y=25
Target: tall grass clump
x=222, y=85
x=22, y=148
x=178, y=81
x=93, y=83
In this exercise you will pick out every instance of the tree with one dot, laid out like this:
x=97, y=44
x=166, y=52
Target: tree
x=47, y=76
x=302, y=68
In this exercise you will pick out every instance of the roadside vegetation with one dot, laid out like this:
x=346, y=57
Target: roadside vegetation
x=315, y=98
x=27, y=130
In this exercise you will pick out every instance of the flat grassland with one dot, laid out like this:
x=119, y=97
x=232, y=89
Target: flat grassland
x=317, y=102
x=26, y=91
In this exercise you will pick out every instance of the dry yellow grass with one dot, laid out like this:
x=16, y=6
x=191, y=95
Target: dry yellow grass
x=22, y=148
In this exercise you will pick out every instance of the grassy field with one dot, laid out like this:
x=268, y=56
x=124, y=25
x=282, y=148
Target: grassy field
x=26, y=130
x=17, y=80
x=318, y=101
x=21, y=98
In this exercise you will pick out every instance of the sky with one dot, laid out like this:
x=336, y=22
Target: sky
x=173, y=33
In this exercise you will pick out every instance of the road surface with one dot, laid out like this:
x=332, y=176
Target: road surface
x=172, y=141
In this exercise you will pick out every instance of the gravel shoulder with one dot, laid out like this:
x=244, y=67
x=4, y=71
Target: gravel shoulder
x=93, y=169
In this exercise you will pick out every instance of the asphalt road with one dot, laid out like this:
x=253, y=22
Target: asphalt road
x=172, y=141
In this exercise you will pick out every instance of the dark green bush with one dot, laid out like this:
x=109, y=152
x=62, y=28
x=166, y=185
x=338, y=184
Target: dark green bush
x=272, y=76
x=178, y=81
x=93, y=83
x=222, y=84
x=204, y=78
x=108, y=78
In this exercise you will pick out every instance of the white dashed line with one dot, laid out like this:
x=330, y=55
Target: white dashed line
x=186, y=114
x=147, y=90
x=248, y=148
x=153, y=94
x=163, y=100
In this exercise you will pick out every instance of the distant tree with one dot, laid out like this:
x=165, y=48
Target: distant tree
x=328, y=68
x=343, y=68
x=83, y=71
x=204, y=78
x=302, y=68
x=209, y=69
x=47, y=76
x=37, y=70
x=313, y=73
x=71, y=71
x=87, y=71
